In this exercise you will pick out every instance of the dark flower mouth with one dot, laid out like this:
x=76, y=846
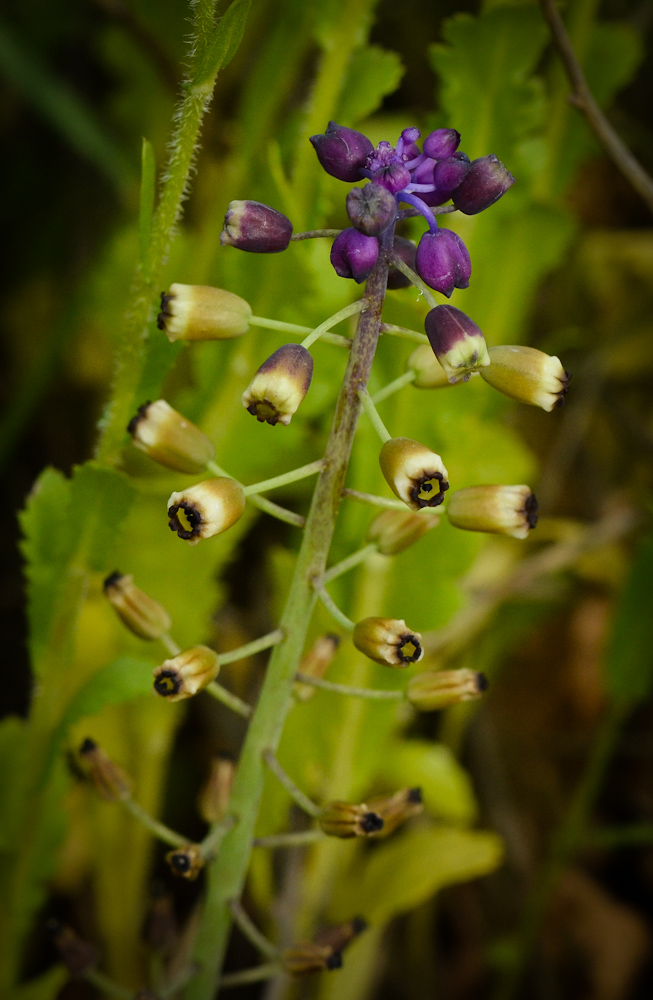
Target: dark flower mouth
x=180, y=862
x=185, y=519
x=140, y=414
x=429, y=490
x=530, y=510
x=165, y=312
x=167, y=683
x=264, y=411
x=371, y=823
x=564, y=389
x=409, y=649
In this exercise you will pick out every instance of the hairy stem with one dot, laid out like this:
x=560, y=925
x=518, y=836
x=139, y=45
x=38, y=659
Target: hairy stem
x=226, y=877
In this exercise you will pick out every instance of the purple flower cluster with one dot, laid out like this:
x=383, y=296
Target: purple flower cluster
x=423, y=179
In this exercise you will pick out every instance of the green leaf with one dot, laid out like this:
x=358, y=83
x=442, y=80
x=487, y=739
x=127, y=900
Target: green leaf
x=446, y=786
x=148, y=188
x=407, y=870
x=226, y=40
x=629, y=660
x=45, y=987
x=485, y=67
x=373, y=72
x=13, y=748
x=99, y=503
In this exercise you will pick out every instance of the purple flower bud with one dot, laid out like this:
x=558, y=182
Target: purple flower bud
x=407, y=144
x=354, y=255
x=249, y=225
x=450, y=173
x=388, y=169
x=342, y=151
x=442, y=261
x=410, y=134
x=423, y=174
x=371, y=209
x=405, y=249
x=441, y=143
x=486, y=181
x=457, y=342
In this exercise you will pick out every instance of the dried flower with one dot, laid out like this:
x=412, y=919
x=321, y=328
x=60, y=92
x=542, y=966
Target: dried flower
x=200, y=312
x=307, y=957
x=414, y=473
x=315, y=663
x=442, y=261
x=388, y=641
x=396, y=530
x=347, y=820
x=257, y=228
x=528, y=375
x=184, y=675
x=354, y=255
x=206, y=509
x=280, y=384
x=110, y=781
x=342, y=151
x=142, y=615
x=457, y=342
x=187, y=862
x=169, y=439
x=396, y=809
x=486, y=181
x=160, y=929
x=77, y=955
x=429, y=372
x=436, y=689
x=213, y=801
x=501, y=510
x=339, y=936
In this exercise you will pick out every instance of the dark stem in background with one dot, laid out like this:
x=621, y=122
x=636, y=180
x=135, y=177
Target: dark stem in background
x=582, y=99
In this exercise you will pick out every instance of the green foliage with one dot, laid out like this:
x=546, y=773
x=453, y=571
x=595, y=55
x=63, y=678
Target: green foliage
x=629, y=659
x=223, y=44
x=372, y=74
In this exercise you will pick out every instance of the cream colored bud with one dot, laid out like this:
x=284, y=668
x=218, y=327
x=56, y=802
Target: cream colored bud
x=501, y=510
x=184, y=675
x=170, y=439
x=142, y=615
x=206, y=509
x=435, y=689
x=187, y=862
x=414, y=473
x=396, y=809
x=527, y=375
x=199, y=312
x=110, y=781
x=213, y=801
x=307, y=957
x=429, y=372
x=396, y=530
x=316, y=663
x=347, y=819
x=388, y=641
x=279, y=385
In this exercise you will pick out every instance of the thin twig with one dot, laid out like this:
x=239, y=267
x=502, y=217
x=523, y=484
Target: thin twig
x=300, y=838
x=582, y=99
x=353, y=692
x=251, y=931
x=295, y=793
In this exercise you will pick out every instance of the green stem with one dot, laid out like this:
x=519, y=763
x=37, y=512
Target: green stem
x=276, y=324
x=299, y=839
x=226, y=876
x=565, y=843
x=170, y=644
x=251, y=931
x=131, y=351
x=294, y=792
x=414, y=279
x=352, y=692
x=288, y=477
x=389, y=390
x=255, y=646
x=349, y=563
x=160, y=830
x=314, y=234
x=373, y=415
x=372, y=499
x=334, y=610
x=350, y=310
x=255, y=975
x=106, y=985
x=404, y=333
x=232, y=701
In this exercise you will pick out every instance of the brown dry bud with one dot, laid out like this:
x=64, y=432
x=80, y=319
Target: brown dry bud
x=303, y=959
x=186, y=862
x=169, y=439
x=184, y=675
x=396, y=809
x=142, y=615
x=316, y=662
x=160, y=930
x=110, y=781
x=206, y=509
x=200, y=312
x=436, y=689
x=388, y=641
x=338, y=936
x=213, y=801
x=414, y=473
x=346, y=820
x=77, y=955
